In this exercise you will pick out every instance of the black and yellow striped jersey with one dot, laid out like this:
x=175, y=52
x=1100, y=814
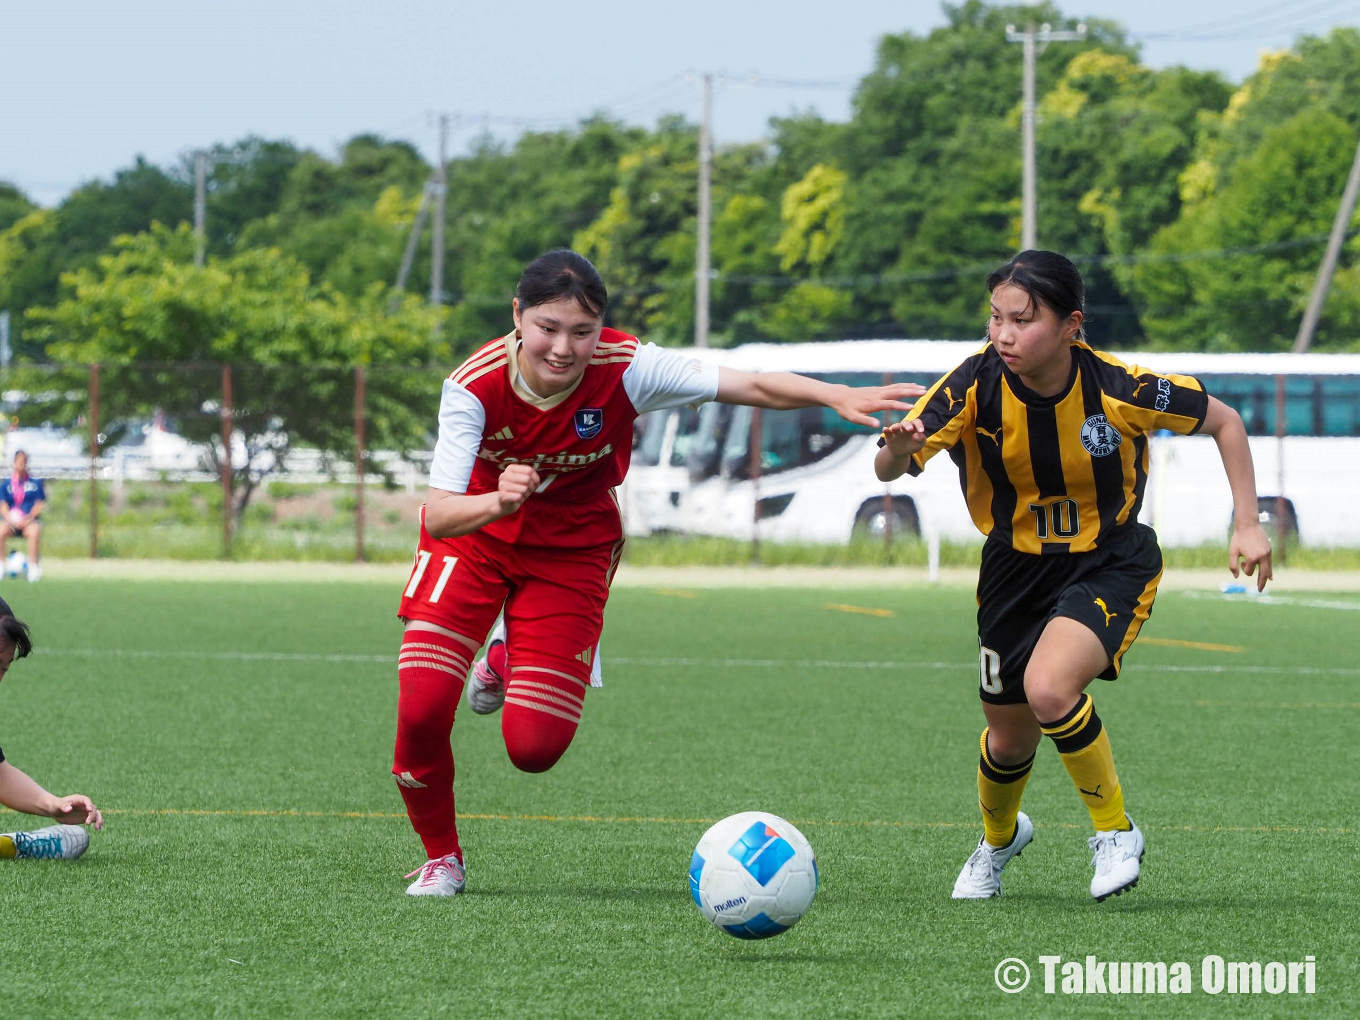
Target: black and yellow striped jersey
x=1053, y=474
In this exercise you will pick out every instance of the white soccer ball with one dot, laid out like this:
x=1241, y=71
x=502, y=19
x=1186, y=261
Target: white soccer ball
x=753, y=875
x=16, y=565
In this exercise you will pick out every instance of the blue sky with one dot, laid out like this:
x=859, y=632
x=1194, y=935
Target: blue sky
x=89, y=86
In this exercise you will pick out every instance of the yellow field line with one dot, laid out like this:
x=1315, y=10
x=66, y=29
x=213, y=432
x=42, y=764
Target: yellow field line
x=1277, y=704
x=859, y=609
x=658, y=820
x=1203, y=646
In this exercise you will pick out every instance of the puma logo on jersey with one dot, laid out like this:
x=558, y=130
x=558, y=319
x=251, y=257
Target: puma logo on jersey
x=1093, y=793
x=994, y=436
x=1108, y=615
x=1136, y=389
x=502, y=435
x=952, y=399
x=409, y=781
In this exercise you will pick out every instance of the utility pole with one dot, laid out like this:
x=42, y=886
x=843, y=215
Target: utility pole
x=200, y=205
x=1031, y=39
x=409, y=255
x=701, y=254
x=441, y=187
x=1323, y=283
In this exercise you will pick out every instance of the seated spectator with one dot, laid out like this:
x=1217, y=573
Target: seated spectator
x=22, y=498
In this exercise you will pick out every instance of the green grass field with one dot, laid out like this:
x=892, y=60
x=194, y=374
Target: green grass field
x=239, y=739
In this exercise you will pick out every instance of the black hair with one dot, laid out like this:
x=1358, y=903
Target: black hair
x=558, y=274
x=17, y=631
x=1048, y=278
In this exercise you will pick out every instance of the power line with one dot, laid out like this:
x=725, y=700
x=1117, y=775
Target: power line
x=1266, y=21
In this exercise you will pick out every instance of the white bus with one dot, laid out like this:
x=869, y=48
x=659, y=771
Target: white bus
x=815, y=479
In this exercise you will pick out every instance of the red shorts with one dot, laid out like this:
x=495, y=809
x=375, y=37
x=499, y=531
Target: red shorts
x=553, y=597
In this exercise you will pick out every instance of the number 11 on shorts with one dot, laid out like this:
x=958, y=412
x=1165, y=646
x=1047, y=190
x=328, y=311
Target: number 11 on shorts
x=422, y=561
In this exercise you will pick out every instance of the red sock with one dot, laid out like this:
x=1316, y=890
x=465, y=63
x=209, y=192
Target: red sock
x=431, y=671
x=542, y=711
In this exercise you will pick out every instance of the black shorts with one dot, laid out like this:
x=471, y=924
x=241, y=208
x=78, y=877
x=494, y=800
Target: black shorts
x=1109, y=589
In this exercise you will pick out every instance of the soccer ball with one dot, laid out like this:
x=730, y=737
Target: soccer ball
x=16, y=565
x=753, y=875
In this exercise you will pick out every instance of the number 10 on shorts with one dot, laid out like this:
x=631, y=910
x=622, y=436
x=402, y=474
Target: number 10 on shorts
x=422, y=562
x=989, y=670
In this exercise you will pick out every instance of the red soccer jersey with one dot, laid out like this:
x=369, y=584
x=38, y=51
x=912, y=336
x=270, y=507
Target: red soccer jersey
x=579, y=441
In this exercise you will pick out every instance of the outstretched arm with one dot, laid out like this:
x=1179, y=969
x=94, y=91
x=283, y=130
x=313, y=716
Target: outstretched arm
x=20, y=793
x=1249, y=546
x=782, y=391
x=901, y=441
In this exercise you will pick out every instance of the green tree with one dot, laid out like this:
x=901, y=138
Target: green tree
x=345, y=221
x=74, y=234
x=14, y=205
x=1234, y=271
x=162, y=327
x=509, y=204
x=246, y=181
x=1115, y=135
x=933, y=158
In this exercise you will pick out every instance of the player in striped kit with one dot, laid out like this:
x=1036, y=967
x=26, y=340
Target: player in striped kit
x=535, y=431
x=1051, y=441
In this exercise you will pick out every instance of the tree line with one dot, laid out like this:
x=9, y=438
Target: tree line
x=1197, y=209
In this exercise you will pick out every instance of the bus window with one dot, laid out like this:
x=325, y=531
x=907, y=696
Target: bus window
x=705, y=452
x=686, y=432
x=1314, y=405
x=1340, y=401
x=736, y=444
x=650, y=437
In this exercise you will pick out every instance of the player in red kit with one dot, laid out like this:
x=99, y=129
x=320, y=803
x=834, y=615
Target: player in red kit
x=535, y=431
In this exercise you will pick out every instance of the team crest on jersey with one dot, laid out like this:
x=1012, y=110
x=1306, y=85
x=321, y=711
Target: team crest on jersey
x=589, y=421
x=1100, y=437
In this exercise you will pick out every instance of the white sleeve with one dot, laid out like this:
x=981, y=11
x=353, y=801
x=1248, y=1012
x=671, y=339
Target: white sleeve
x=660, y=378
x=462, y=419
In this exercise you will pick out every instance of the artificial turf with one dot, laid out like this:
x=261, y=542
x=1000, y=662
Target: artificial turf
x=238, y=737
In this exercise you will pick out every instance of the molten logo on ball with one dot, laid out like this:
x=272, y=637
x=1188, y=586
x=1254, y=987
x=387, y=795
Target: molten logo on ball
x=753, y=875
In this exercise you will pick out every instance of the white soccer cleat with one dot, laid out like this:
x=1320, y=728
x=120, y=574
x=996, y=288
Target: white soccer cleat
x=486, y=685
x=54, y=843
x=1117, y=857
x=443, y=876
x=34, y=572
x=980, y=878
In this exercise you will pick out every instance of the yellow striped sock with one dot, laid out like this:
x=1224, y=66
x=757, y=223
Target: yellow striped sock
x=1084, y=747
x=1000, y=788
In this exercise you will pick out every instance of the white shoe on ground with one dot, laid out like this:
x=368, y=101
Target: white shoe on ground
x=981, y=875
x=443, y=876
x=34, y=572
x=1117, y=857
x=56, y=843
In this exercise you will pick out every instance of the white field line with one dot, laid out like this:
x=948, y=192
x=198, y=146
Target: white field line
x=890, y=665
x=1272, y=600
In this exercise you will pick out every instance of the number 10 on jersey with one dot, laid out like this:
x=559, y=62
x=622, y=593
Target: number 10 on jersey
x=1060, y=519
